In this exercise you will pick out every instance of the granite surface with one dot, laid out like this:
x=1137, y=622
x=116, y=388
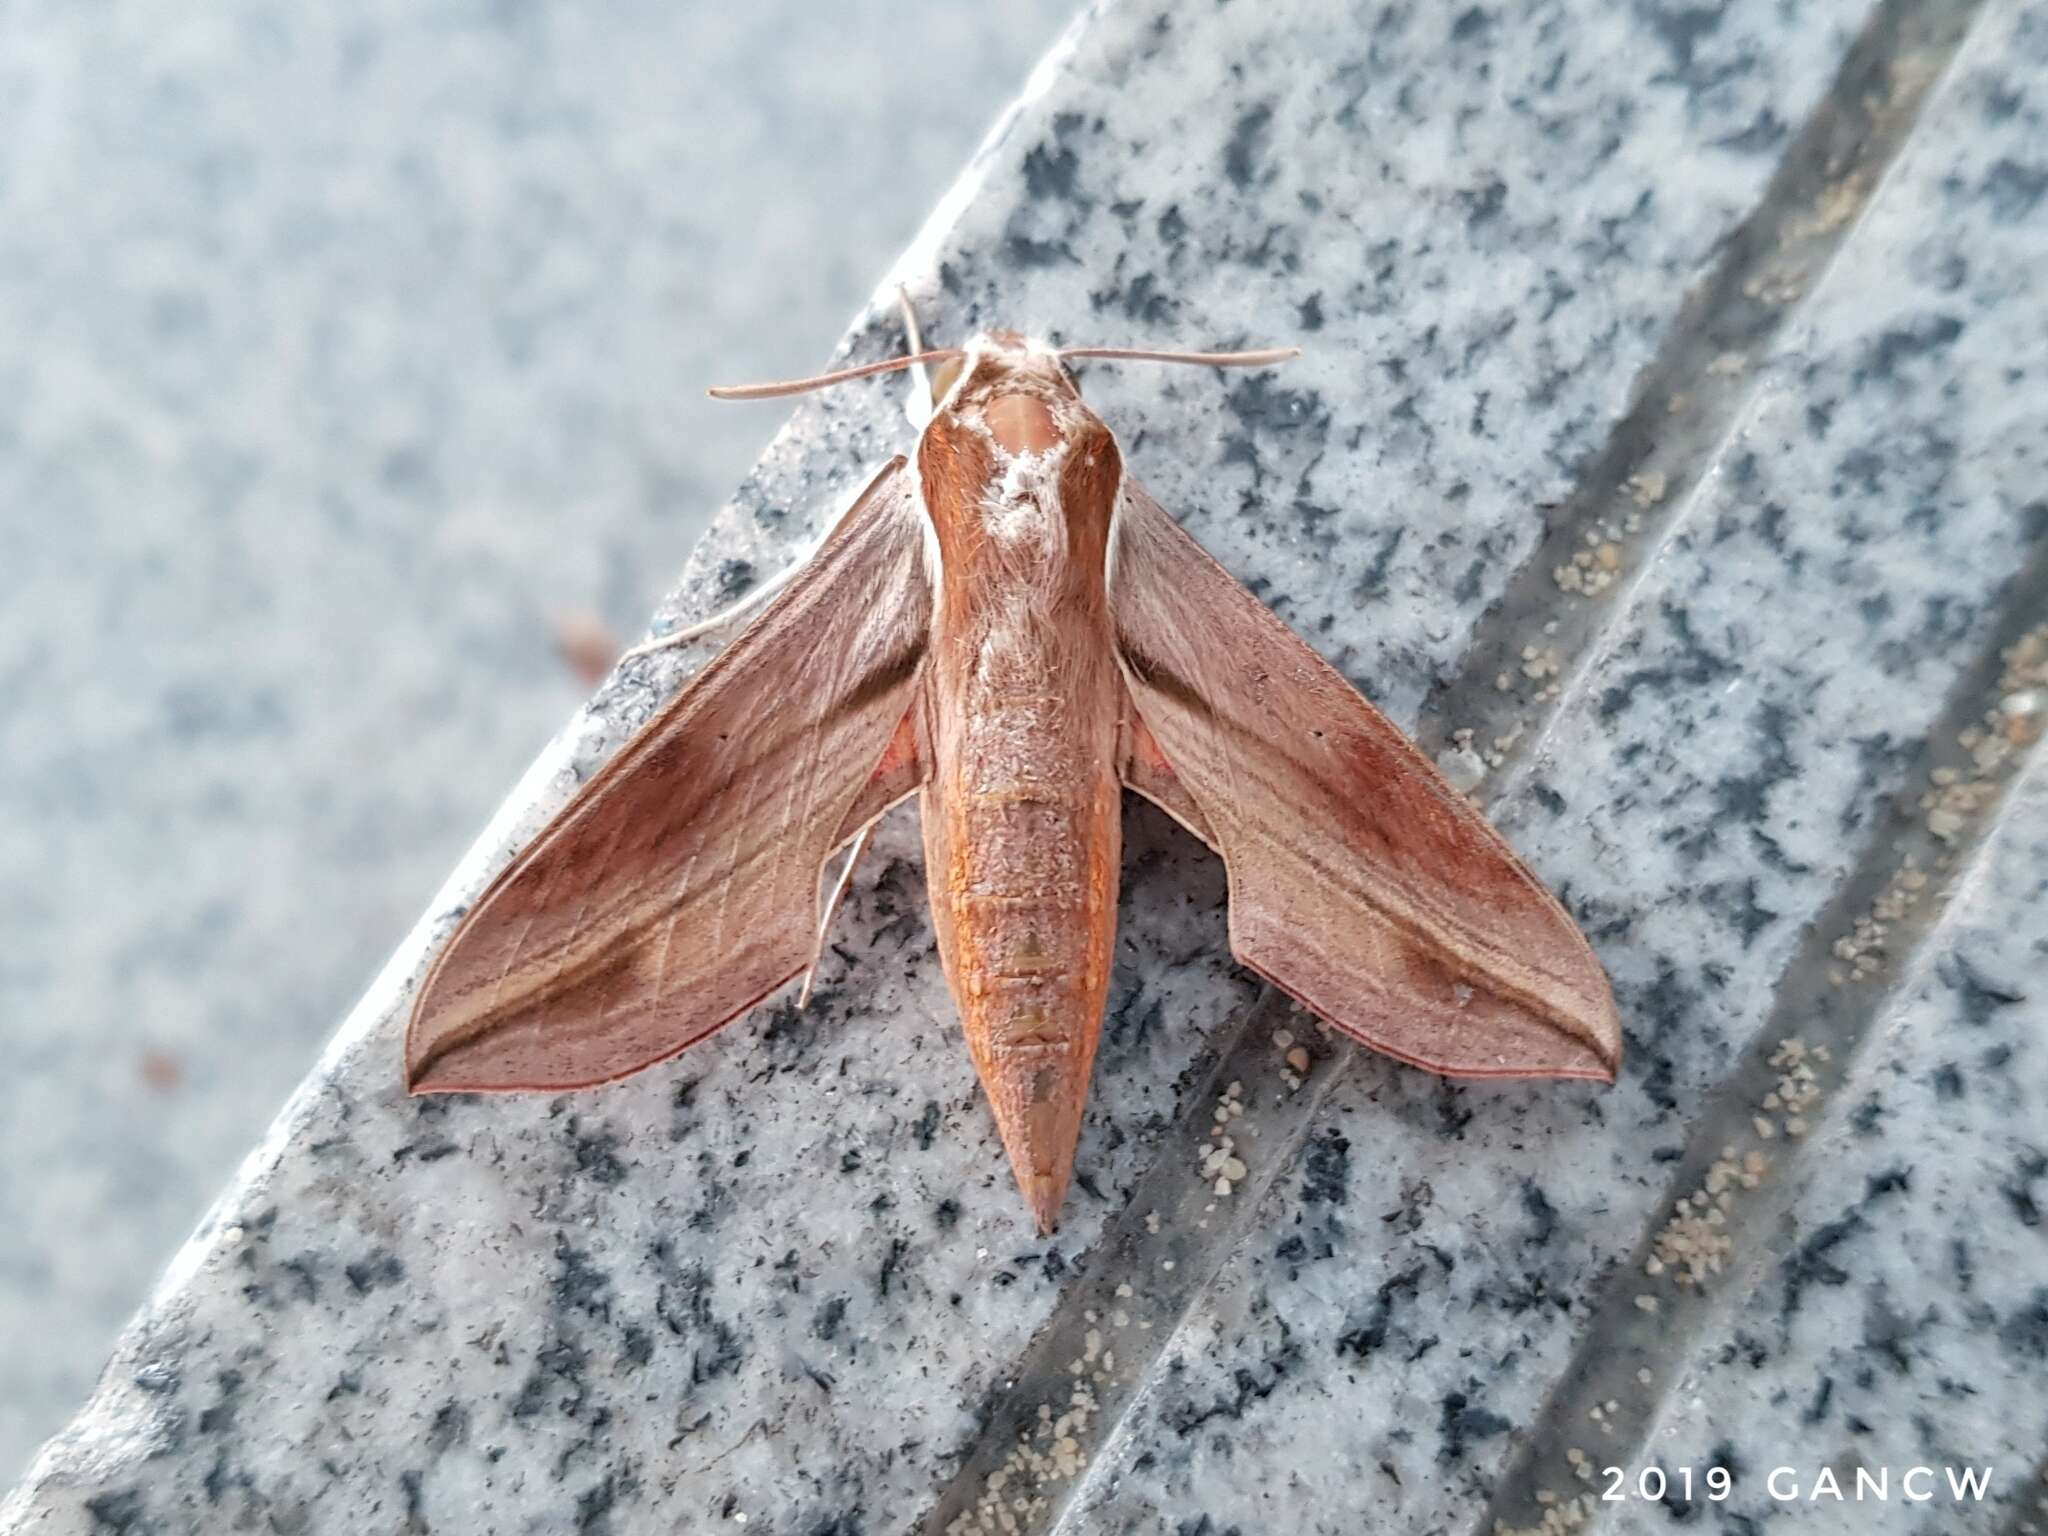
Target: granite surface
x=341, y=356
x=1764, y=571
x=1898, y=1317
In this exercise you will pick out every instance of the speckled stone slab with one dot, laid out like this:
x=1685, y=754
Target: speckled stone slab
x=784, y=1281
x=1899, y=1316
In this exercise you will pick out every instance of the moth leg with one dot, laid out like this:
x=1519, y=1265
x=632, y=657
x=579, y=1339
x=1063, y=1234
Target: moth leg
x=728, y=617
x=918, y=406
x=1142, y=765
x=718, y=621
x=839, y=889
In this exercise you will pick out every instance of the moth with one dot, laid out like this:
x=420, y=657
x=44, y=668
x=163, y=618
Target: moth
x=1005, y=625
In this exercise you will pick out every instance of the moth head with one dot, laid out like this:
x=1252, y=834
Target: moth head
x=1017, y=389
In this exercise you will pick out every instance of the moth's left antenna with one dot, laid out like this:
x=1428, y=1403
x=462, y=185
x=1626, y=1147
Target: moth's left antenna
x=825, y=380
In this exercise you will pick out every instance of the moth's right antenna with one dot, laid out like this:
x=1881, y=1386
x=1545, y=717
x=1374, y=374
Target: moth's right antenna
x=1260, y=359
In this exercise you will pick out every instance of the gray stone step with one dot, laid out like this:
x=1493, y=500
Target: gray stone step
x=1887, y=1307
x=1743, y=303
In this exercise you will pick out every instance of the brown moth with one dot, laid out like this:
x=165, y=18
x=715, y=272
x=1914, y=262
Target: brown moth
x=1005, y=625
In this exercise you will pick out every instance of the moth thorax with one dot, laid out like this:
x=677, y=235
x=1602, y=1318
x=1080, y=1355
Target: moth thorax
x=1021, y=424
x=1021, y=506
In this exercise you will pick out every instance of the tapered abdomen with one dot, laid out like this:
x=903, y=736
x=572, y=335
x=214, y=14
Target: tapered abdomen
x=1022, y=842
x=1021, y=806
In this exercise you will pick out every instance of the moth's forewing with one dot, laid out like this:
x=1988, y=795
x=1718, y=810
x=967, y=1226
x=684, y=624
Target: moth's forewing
x=680, y=885
x=1361, y=883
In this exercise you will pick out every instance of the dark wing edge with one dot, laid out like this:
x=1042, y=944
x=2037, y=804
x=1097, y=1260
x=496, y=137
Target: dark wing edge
x=1361, y=883
x=679, y=887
